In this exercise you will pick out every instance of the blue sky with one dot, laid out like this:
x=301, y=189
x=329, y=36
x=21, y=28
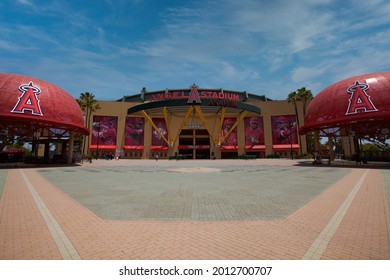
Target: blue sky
x=115, y=47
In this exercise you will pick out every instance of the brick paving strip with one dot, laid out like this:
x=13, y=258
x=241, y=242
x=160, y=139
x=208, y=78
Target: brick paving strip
x=365, y=230
x=320, y=244
x=65, y=246
x=23, y=232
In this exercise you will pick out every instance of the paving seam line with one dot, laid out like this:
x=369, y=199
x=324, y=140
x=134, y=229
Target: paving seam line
x=320, y=244
x=64, y=245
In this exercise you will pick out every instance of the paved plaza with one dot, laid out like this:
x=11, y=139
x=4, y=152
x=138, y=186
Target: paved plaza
x=196, y=210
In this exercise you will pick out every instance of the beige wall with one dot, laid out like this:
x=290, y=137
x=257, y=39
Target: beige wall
x=279, y=108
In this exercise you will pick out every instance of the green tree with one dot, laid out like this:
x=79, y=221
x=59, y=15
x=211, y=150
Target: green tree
x=293, y=97
x=300, y=95
x=7, y=141
x=88, y=105
x=381, y=141
x=305, y=96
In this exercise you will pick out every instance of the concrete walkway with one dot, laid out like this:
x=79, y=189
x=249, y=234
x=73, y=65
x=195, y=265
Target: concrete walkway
x=227, y=209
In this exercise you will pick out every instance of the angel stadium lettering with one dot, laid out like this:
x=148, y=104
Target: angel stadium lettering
x=213, y=98
x=168, y=95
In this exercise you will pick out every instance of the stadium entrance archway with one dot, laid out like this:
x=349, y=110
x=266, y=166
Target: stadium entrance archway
x=194, y=144
x=195, y=123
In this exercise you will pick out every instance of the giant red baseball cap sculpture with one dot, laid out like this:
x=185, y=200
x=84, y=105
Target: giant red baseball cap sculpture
x=359, y=105
x=28, y=104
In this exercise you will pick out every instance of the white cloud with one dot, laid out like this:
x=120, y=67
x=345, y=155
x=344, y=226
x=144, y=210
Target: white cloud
x=26, y=3
x=303, y=74
x=264, y=47
x=9, y=46
x=294, y=25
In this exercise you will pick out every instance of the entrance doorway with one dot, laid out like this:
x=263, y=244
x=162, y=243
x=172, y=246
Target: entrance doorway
x=194, y=144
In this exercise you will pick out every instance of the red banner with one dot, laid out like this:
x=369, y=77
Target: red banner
x=104, y=130
x=103, y=147
x=285, y=147
x=284, y=130
x=159, y=148
x=255, y=147
x=133, y=147
x=254, y=131
x=231, y=139
x=134, y=132
x=157, y=140
x=229, y=148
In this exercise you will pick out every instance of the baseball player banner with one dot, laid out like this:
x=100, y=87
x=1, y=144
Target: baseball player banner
x=104, y=130
x=231, y=139
x=134, y=131
x=254, y=131
x=284, y=130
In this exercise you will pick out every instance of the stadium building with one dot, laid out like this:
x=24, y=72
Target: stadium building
x=196, y=123
x=193, y=123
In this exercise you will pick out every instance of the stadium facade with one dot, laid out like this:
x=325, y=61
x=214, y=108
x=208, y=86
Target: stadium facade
x=196, y=123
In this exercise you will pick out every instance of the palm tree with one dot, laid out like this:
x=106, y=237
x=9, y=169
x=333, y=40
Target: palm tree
x=88, y=105
x=305, y=96
x=294, y=97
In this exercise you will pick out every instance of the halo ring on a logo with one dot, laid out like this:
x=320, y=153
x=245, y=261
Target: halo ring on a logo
x=352, y=89
x=27, y=87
